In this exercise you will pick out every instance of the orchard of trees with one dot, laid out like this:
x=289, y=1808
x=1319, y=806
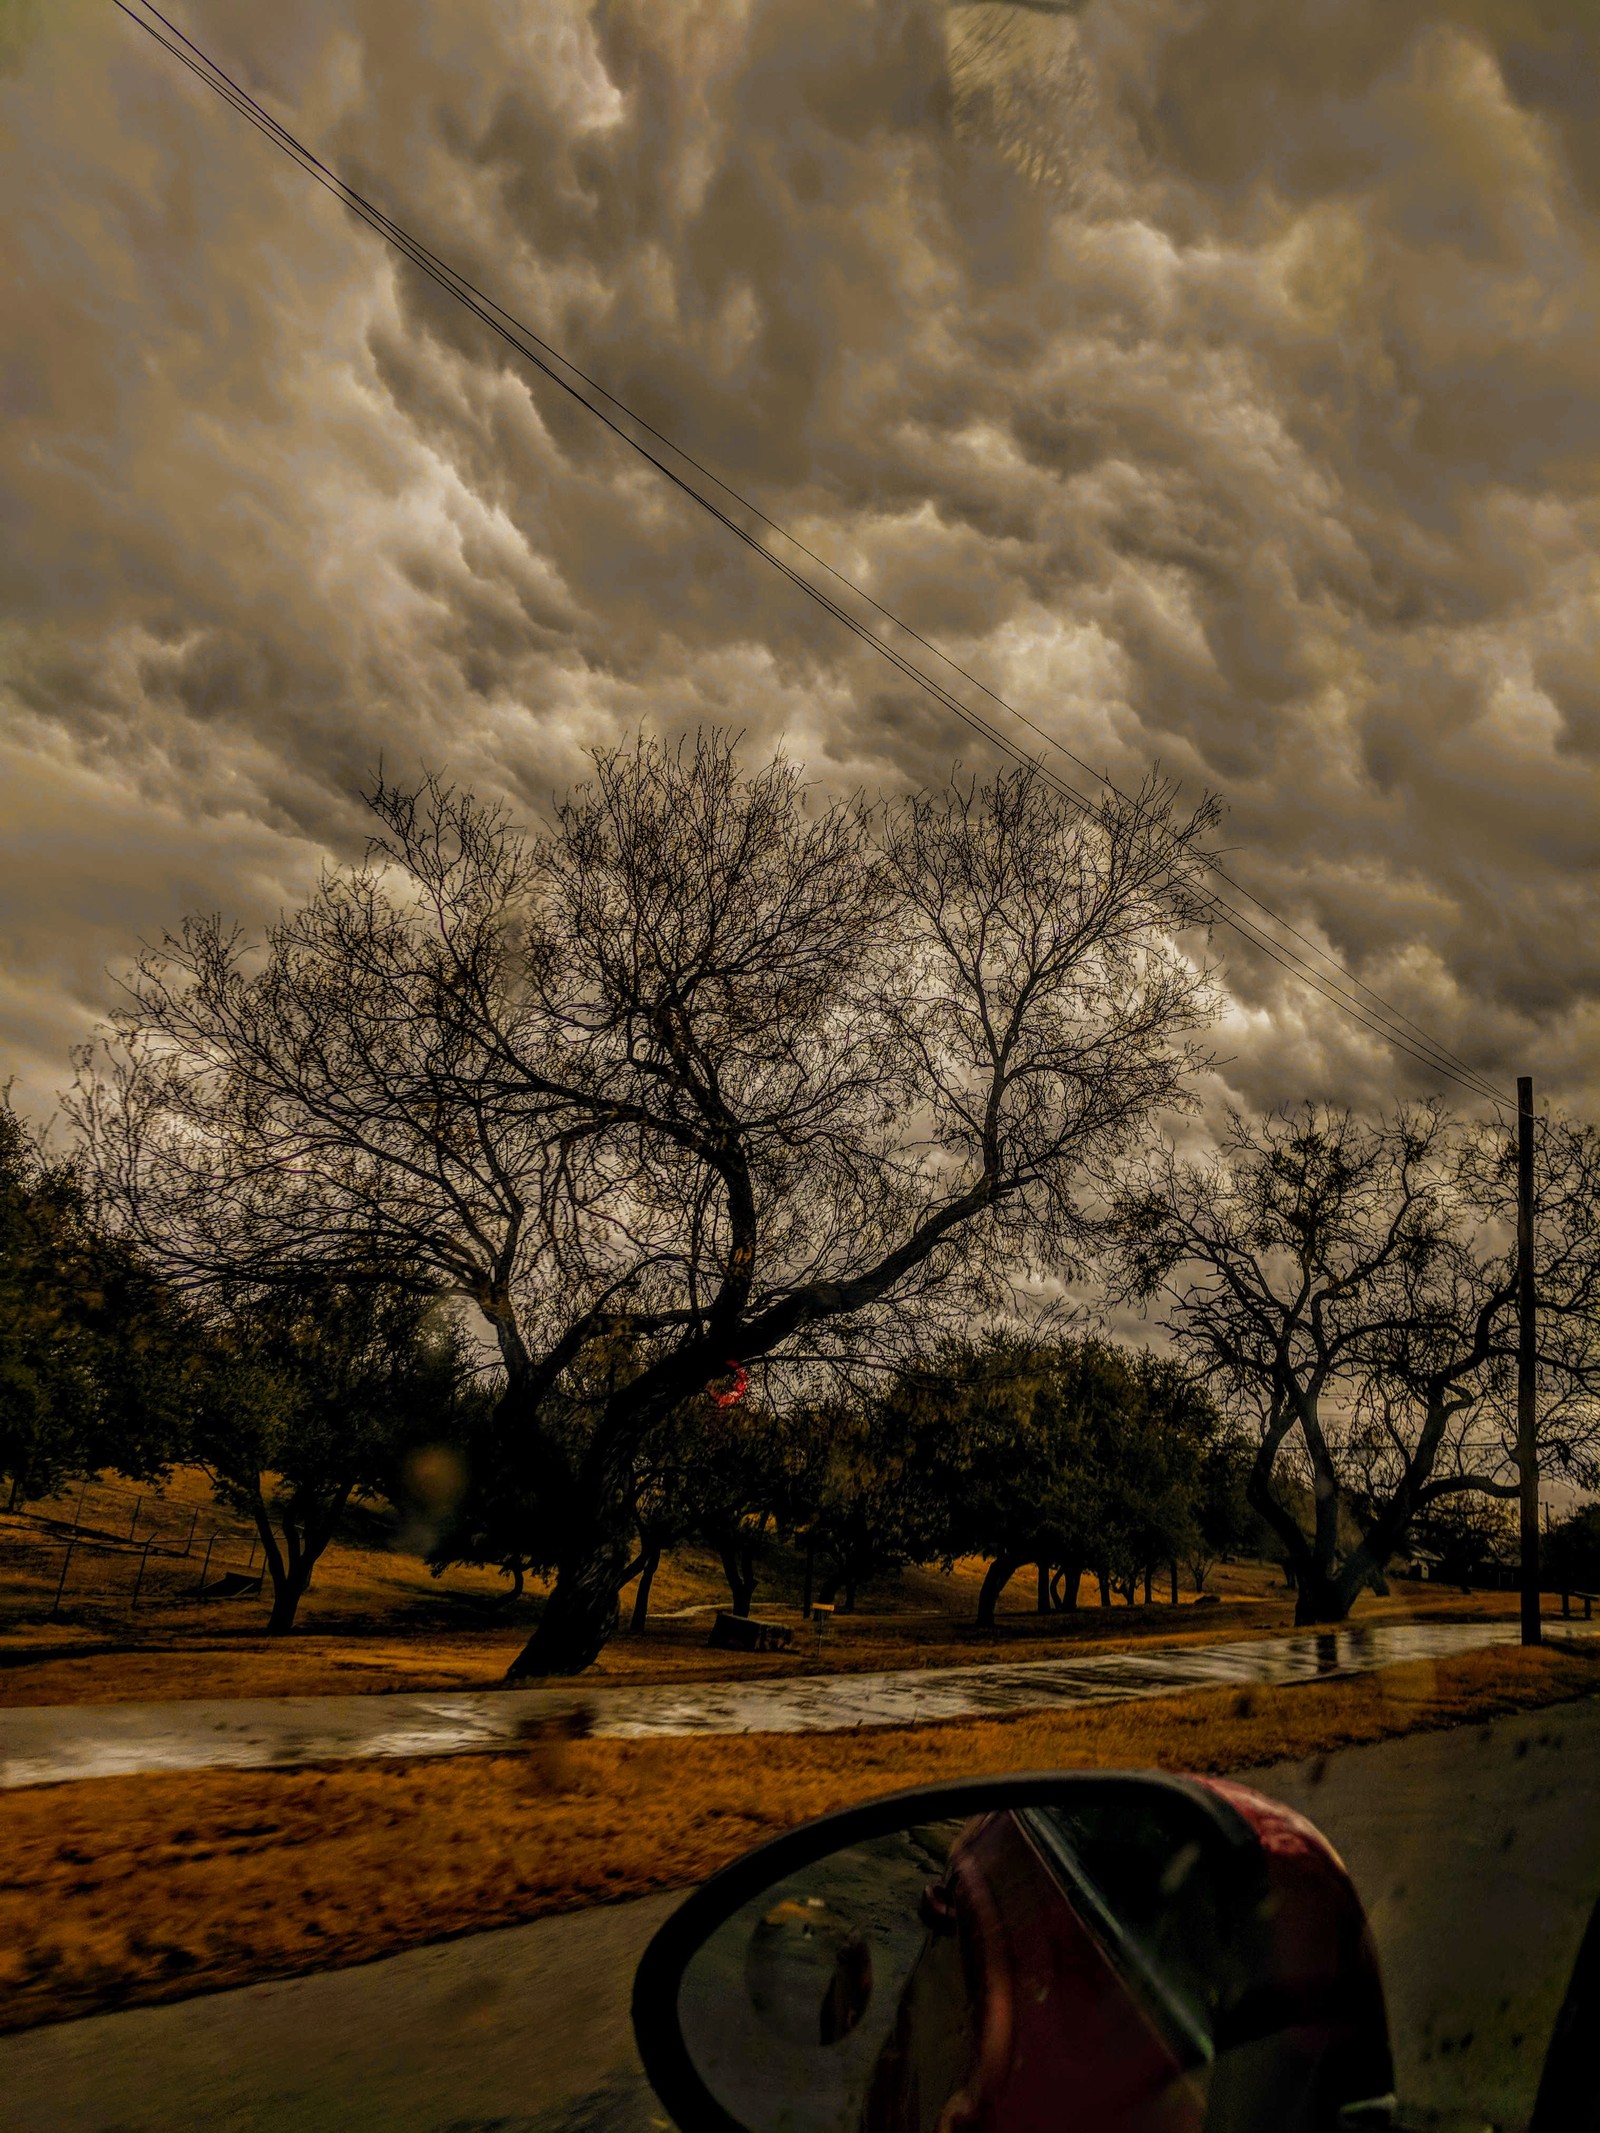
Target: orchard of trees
x=662, y=1162
x=294, y=1398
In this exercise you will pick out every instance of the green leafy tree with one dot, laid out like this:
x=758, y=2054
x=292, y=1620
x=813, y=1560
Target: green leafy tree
x=721, y=1476
x=313, y=1395
x=1569, y=1554
x=978, y=1431
x=1077, y=1456
x=864, y=1501
x=1223, y=1524
x=1152, y=1469
x=1474, y=1537
x=96, y=1356
x=1128, y=1430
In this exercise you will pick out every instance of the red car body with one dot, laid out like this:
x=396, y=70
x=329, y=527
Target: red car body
x=1214, y=1980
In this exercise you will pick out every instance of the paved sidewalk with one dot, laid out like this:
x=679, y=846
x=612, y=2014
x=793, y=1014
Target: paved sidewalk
x=46, y=1744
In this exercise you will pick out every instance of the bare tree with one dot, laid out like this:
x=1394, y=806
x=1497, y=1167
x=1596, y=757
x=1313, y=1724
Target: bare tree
x=1018, y=82
x=1354, y=1284
x=706, y=1069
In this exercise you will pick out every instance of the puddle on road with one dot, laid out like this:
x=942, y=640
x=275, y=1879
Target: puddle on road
x=46, y=1745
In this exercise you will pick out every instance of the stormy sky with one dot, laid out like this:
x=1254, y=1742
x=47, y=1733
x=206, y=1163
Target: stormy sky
x=1217, y=379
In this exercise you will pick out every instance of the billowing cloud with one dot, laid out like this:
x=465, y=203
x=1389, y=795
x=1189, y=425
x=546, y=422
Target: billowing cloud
x=1215, y=378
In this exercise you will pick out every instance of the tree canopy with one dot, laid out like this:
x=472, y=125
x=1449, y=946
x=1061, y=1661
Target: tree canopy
x=1351, y=1285
x=311, y=1394
x=708, y=1066
x=1077, y=1455
x=93, y=1346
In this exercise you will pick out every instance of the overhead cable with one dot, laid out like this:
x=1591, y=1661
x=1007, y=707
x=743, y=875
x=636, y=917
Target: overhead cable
x=1336, y=984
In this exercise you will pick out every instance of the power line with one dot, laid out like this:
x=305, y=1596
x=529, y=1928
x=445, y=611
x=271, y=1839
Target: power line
x=1342, y=989
x=1379, y=1019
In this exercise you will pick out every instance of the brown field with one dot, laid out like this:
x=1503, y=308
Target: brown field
x=376, y=1620
x=360, y=1583
x=126, y=1890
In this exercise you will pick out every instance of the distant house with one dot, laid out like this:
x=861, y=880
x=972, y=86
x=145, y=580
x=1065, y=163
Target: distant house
x=1421, y=1563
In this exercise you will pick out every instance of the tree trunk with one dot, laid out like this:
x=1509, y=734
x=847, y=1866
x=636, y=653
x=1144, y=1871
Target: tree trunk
x=641, y=1598
x=1043, y=1601
x=289, y=1568
x=1103, y=1578
x=738, y=1567
x=1325, y=1503
x=1362, y=1571
x=996, y=1578
x=1064, y=1587
x=291, y=1564
x=585, y=1601
x=1307, y=1565
x=849, y=1595
x=1172, y=1581
x=287, y=1593
x=581, y=1613
x=1319, y=1598
x=1149, y=1575
x=811, y=1570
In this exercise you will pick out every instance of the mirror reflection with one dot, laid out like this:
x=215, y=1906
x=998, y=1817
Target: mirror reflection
x=970, y=1973
x=788, y=2008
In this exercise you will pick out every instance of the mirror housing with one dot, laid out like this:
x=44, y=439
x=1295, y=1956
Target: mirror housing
x=1179, y=1955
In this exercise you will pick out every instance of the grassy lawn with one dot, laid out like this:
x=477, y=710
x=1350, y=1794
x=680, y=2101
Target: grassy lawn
x=123, y=1890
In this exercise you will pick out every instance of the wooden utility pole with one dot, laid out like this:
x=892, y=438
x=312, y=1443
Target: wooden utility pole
x=1527, y=1368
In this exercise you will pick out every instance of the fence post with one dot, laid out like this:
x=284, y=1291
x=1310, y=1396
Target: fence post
x=188, y=1546
x=138, y=1506
x=144, y=1558
x=61, y=1582
x=77, y=1516
x=205, y=1567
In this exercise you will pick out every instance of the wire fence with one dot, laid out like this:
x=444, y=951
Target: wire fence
x=108, y=1544
x=129, y=1515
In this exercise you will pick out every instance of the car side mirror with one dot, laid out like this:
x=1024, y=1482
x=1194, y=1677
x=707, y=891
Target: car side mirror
x=1170, y=1954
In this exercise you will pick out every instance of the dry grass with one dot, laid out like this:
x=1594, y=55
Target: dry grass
x=375, y=1620
x=48, y=1666
x=137, y=1889
x=63, y=1671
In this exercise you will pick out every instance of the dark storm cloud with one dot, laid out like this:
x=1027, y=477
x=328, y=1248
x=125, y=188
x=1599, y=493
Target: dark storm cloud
x=1215, y=377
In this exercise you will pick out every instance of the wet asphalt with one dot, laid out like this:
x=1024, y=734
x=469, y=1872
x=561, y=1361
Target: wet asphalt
x=49, y=1744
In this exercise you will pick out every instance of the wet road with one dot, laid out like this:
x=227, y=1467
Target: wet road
x=521, y=2031
x=1477, y=1851
x=48, y=1744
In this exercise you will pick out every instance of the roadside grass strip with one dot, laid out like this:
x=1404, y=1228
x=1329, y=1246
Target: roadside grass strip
x=124, y=1891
